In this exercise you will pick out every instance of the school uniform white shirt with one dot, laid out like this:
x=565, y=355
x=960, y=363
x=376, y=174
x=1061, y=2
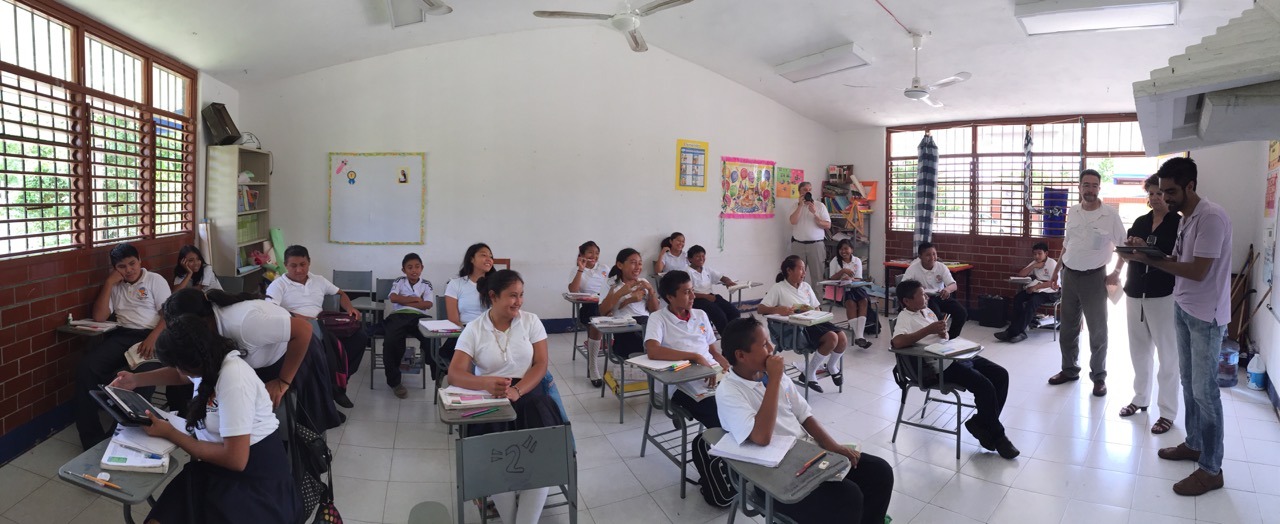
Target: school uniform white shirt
x=694, y=335
x=784, y=294
x=259, y=327
x=738, y=400
x=672, y=261
x=240, y=404
x=1091, y=237
x=299, y=298
x=206, y=279
x=137, y=305
x=933, y=279
x=464, y=291
x=913, y=321
x=502, y=353
x=806, y=228
x=420, y=289
x=704, y=281
x=834, y=267
x=634, y=309
x=1044, y=274
x=593, y=279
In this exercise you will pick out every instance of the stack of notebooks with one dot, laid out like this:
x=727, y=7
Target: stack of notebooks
x=132, y=449
x=697, y=389
x=454, y=397
x=601, y=322
x=768, y=456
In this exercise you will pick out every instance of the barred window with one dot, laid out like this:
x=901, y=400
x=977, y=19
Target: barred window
x=96, y=134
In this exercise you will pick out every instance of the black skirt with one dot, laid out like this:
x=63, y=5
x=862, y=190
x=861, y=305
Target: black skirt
x=313, y=385
x=855, y=293
x=815, y=332
x=535, y=409
x=586, y=311
x=208, y=494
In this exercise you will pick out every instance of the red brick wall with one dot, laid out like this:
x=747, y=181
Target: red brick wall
x=995, y=259
x=37, y=364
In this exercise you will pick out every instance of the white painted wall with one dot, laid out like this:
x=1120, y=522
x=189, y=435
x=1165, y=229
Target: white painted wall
x=209, y=90
x=535, y=142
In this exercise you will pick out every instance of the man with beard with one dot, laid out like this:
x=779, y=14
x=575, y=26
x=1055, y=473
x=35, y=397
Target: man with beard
x=1092, y=233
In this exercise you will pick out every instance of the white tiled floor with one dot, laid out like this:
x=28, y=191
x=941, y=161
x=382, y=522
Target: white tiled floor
x=1080, y=462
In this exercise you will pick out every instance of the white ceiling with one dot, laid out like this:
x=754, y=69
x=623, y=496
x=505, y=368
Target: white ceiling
x=250, y=42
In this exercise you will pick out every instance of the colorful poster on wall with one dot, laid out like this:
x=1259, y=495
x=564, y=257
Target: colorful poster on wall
x=1270, y=196
x=748, y=188
x=1273, y=155
x=691, y=165
x=786, y=182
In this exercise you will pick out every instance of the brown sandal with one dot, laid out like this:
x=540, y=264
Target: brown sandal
x=1131, y=410
x=1162, y=426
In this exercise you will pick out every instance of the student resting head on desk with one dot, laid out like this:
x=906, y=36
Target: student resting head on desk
x=845, y=266
x=589, y=277
x=463, y=301
x=239, y=470
x=278, y=346
x=986, y=380
x=411, y=297
x=192, y=270
x=718, y=310
x=791, y=294
x=680, y=332
x=671, y=255
x=301, y=293
x=628, y=295
x=135, y=296
x=757, y=402
x=504, y=352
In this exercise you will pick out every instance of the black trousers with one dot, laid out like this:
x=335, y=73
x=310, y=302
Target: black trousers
x=399, y=327
x=719, y=311
x=862, y=497
x=953, y=307
x=1024, y=309
x=99, y=366
x=704, y=411
x=989, y=384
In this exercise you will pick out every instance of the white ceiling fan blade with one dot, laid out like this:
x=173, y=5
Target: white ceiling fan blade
x=930, y=101
x=571, y=14
x=951, y=80
x=636, y=41
x=435, y=7
x=658, y=5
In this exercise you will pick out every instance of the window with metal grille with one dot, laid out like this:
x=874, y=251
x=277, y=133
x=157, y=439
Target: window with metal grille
x=981, y=170
x=96, y=135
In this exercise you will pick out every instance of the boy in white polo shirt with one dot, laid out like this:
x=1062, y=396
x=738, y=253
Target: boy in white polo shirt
x=939, y=286
x=411, y=297
x=135, y=296
x=718, y=310
x=679, y=332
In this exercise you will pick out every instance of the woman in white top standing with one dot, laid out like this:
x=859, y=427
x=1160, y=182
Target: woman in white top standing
x=462, y=299
x=845, y=266
x=790, y=295
x=193, y=271
x=589, y=277
x=672, y=255
x=628, y=295
x=507, y=349
x=239, y=470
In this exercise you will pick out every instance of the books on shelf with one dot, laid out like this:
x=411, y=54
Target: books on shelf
x=953, y=347
x=768, y=456
x=246, y=199
x=811, y=317
x=454, y=397
x=91, y=325
x=439, y=326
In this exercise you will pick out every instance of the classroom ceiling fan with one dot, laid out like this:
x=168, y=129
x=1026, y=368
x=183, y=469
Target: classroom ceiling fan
x=627, y=21
x=920, y=92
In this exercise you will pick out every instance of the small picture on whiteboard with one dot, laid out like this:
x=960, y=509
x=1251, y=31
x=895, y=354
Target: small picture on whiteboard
x=404, y=176
x=388, y=206
x=351, y=176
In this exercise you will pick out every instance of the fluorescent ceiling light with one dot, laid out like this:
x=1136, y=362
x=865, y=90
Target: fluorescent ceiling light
x=405, y=12
x=1039, y=17
x=834, y=60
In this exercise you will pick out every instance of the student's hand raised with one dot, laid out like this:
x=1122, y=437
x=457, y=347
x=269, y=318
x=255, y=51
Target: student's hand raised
x=582, y=264
x=497, y=386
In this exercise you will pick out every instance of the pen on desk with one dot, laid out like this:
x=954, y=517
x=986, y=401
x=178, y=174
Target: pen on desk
x=811, y=462
x=479, y=413
x=97, y=480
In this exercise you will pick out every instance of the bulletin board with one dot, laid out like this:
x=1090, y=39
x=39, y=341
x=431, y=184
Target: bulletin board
x=377, y=198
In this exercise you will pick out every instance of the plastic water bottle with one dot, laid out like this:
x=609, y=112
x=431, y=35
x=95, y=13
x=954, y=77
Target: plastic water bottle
x=1257, y=372
x=1228, y=366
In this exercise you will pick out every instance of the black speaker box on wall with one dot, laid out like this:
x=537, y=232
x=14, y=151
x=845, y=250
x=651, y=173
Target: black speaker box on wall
x=220, y=125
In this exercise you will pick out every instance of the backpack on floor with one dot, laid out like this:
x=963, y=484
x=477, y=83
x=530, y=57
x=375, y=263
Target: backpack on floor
x=337, y=358
x=873, y=322
x=714, y=485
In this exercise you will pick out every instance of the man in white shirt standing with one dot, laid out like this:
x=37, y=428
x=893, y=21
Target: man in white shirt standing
x=809, y=224
x=1093, y=231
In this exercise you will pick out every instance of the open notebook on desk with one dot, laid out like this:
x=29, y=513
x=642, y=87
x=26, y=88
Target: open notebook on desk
x=768, y=456
x=954, y=347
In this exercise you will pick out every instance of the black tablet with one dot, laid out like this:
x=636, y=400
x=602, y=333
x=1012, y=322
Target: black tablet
x=127, y=407
x=1147, y=250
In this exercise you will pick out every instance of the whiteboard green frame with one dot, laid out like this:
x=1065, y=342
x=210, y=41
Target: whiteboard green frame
x=368, y=217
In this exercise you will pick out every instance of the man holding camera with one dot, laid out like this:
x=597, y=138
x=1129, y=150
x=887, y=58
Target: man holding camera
x=809, y=224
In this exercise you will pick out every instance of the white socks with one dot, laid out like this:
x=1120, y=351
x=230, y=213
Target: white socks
x=593, y=359
x=859, y=325
x=529, y=510
x=833, y=361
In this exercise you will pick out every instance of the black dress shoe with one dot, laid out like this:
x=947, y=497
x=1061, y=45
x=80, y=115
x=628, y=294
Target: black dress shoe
x=837, y=379
x=1002, y=336
x=1007, y=450
x=340, y=398
x=1062, y=378
x=1017, y=338
x=811, y=385
x=984, y=437
x=1099, y=388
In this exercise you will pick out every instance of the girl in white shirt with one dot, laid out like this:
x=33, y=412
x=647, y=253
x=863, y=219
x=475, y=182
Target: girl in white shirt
x=504, y=352
x=845, y=266
x=279, y=347
x=193, y=271
x=790, y=295
x=463, y=301
x=628, y=295
x=239, y=470
x=589, y=277
x=672, y=255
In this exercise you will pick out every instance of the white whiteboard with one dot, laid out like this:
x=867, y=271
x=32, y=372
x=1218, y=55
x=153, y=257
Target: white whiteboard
x=377, y=198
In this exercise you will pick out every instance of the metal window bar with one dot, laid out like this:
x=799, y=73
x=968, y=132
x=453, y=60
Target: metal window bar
x=902, y=195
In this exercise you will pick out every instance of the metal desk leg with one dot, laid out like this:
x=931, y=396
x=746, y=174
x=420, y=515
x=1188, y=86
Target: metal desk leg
x=128, y=515
x=648, y=415
x=622, y=388
x=576, y=328
x=606, y=342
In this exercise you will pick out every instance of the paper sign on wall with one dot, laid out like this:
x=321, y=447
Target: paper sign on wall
x=786, y=182
x=691, y=165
